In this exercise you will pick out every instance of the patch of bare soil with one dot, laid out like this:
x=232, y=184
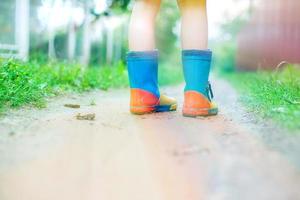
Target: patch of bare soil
x=113, y=155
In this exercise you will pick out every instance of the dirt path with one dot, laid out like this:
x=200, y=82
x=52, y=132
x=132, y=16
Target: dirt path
x=48, y=154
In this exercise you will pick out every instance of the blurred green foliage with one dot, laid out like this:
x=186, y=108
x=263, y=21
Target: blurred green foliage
x=165, y=35
x=225, y=46
x=224, y=57
x=170, y=70
x=120, y=3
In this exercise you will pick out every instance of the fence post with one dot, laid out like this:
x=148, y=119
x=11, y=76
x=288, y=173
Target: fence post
x=109, y=45
x=71, y=35
x=86, y=45
x=22, y=28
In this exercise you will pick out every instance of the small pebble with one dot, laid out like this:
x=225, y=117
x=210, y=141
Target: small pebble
x=72, y=105
x=89, y=117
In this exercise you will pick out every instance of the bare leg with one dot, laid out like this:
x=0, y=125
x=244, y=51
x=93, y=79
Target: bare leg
x=142, y=62
x=194, y=28
x=142, y=25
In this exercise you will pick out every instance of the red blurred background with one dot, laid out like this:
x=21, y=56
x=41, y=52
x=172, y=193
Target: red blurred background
x=271, y=36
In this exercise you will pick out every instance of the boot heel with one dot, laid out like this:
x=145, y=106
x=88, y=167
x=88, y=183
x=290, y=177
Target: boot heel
x=141, y=110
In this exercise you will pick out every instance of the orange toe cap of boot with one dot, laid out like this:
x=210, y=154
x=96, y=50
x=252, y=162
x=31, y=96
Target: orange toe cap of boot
x=196, y=104
x=142, y=102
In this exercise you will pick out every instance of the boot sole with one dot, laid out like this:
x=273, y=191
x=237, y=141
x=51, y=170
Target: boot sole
x=203, y=113
x=148, y=110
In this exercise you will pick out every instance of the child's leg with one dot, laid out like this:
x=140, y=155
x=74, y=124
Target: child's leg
x=196, y=59
x=194, y=28
x=142, y=25
x=142, y=61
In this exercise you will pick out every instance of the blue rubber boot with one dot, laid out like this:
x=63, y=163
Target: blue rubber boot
x=197, y=93
x=143, y=77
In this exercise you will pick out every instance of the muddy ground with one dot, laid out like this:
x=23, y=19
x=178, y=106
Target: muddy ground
x=50, y=154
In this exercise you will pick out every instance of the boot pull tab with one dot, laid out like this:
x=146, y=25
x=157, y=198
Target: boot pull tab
x=209, y=92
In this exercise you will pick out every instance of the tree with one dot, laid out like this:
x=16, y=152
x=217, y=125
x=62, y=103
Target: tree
x=120, y=3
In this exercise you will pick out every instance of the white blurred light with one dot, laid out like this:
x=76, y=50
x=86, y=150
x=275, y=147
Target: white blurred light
x=56, y=14
x=100, y=5
x=219, y=11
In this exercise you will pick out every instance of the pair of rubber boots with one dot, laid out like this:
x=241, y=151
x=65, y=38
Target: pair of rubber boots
x=145, y=96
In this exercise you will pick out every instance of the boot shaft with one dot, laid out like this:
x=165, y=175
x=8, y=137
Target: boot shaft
x=196, y=68
x=143, y=71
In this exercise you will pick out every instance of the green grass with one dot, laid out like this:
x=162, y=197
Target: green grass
x=274, y=95
x=31, y=83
